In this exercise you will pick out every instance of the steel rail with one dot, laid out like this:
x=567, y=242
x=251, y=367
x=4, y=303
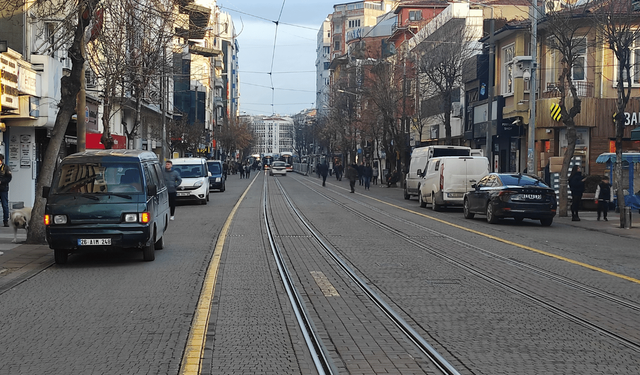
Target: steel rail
x=440, y=362
x=321, y=360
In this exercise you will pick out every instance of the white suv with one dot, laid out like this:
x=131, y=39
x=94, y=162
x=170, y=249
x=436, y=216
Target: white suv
x=195, y=179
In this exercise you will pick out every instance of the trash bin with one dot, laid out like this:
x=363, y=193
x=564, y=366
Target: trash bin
x=627, y=217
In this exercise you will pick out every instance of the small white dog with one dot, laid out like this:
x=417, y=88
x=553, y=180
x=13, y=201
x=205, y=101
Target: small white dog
x=20, y=219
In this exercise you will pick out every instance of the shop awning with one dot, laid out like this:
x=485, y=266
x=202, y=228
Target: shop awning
x=610, y=157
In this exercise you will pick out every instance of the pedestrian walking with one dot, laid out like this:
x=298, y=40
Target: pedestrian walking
x=323, y=169
x=367, y=174
x=604, y=195
x=172, y=179
x=241, y=171
x=247, y=170
x=5, y=178
x=375, y=174
x=352, y=175
x=360, y=173
x=576, y=184
x=339, y=169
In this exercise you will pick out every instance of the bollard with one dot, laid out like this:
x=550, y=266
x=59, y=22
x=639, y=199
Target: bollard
x=627, y=217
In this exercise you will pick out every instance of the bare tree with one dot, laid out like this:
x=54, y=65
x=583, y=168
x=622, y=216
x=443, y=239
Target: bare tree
x=442, y=62
x=566, y=34
x=235, y=135
x=618, y=24
x=75, y=18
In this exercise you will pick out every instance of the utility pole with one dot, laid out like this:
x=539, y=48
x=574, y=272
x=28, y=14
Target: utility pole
x=489, y=135
x=531, y=138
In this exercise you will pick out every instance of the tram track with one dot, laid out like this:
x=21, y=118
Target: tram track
x=472, y=269
x=319, y=353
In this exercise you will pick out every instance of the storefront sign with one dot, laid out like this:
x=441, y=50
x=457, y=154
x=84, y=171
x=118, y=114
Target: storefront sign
x=631, y=119
x=26, y=81
x=9, y=97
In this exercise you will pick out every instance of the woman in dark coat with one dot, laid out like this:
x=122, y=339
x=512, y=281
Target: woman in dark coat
x=576, y=184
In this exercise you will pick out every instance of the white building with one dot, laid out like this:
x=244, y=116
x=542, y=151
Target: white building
x=323, y=61
x=274, y=134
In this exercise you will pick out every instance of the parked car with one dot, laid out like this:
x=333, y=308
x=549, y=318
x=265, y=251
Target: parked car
x=217, y=181
x=519, y=196
x=448, y=178
x=106, y=199
x=195, y=179
x=278, y=168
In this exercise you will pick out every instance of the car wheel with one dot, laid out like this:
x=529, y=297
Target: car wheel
x=491, y=214
x=406, y=193
x=546, y=222
x=467, y=211
x=223, y=187
x=434, y=206
x=149, y=252
x=159, y=245
x=423, y=204
x=60, y=256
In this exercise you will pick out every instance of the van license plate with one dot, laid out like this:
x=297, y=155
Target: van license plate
x=94, y=242
x=183, y=194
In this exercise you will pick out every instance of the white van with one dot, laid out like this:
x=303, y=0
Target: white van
x=195, y=179
x=418, y=164
x=448, y=178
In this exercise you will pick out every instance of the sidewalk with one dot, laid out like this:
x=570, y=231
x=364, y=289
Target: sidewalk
x=588, y=220
x=19, y=260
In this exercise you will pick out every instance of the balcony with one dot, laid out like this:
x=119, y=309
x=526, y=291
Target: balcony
x=583, y=88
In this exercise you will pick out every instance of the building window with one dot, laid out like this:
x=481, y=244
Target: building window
x=326, y=65
x=354, y=23
x=415, y=15
x=336, y=45
x=634, y=63
x=578, y=72
x=508, y=53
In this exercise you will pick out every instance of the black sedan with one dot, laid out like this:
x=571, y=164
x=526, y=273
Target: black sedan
x=500, y=195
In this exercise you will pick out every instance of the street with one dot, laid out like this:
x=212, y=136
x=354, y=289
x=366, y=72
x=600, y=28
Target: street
x=506, y=298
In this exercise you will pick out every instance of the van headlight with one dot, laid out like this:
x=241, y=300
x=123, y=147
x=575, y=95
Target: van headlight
x=218, y=179
x=141, y=217
x=198, y=183
x=55, y=219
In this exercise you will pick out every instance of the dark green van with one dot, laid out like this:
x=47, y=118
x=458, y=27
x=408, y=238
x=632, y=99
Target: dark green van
x=107, y=199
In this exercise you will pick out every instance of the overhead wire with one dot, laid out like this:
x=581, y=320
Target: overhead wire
x=271, y=73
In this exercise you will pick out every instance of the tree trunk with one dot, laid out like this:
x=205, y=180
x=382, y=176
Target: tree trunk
x=564, y=173
x=69, y=88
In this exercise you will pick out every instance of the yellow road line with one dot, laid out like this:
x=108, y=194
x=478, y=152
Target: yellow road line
x=581, y=264
x=192, y=358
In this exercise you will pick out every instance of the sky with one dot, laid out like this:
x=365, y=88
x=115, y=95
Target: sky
x=287, y=49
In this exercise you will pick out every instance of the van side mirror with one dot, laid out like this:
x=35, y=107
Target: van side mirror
x=419, y=172
x=474, y=186
x=45, y=191
x=209, y=174
x=152, y=190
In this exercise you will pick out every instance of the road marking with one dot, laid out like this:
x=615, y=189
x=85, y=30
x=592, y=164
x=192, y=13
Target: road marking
x=581, y=264
x=325, y=285
x=193, y=353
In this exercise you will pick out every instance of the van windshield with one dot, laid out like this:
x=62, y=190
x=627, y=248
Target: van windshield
x=214, y=168
x=98, y=178
x=189, y=170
